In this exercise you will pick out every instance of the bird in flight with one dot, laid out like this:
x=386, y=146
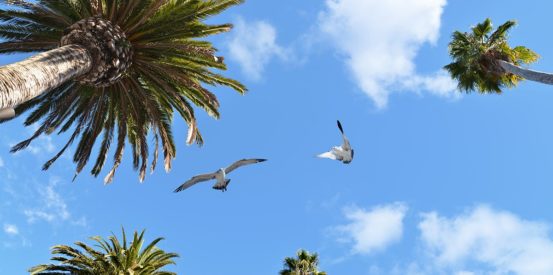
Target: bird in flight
x=220, y=175
x=343, y=153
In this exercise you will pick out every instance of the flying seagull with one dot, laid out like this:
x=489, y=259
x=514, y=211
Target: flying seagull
x=220, y=175
x=343, y=153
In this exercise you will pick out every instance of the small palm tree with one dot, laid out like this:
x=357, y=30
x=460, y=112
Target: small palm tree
x=484, y=61
x=117, y=67
x=304, y=264
x=112, y=258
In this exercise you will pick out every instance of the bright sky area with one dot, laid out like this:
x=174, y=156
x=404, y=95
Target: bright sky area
x=441, y=183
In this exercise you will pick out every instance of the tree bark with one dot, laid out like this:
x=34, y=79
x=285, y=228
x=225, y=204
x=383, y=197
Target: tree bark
x=22, y=81
x=541, y=77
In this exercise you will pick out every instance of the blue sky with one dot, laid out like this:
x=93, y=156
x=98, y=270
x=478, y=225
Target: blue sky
x=442, y=183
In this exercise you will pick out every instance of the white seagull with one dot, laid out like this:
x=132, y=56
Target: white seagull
x=220, y=175
x=343, y=153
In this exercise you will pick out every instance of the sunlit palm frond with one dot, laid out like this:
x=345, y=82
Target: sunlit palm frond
x=109, y=257
x=475, y=55
x=305, y=263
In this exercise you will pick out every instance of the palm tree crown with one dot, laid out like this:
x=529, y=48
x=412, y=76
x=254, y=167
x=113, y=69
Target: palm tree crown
x=478, y=57
x=112, y=258
x=304, y=264
x=144, y=62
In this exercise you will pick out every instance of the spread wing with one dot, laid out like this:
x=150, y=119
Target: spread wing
x=327, y=155
x=333, y=154
x=242, y=162
x=194, y=180
x=346, y=144
x=340, y=126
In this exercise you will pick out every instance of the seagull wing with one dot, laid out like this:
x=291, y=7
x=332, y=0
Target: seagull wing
x=336, y=153
x=327, y=155
x=340, y=126
x=194, y=180
x=346, y=146
x=242, y=162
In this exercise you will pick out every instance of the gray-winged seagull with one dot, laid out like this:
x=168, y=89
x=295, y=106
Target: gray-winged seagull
x=343, y=153
x=220, y=175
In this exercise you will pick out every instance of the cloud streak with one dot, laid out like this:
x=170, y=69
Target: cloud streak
x=52, y=207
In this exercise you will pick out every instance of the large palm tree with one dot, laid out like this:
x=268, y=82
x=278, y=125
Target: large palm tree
x=483, y=60
x=112, y=257
x=304, y=264
x=113, y=70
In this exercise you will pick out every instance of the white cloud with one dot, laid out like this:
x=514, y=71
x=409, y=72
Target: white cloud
x=497, y=239
x=375, y=229
x=380, y=40
x=253, y=45
x=11, y=229
x=439, y=84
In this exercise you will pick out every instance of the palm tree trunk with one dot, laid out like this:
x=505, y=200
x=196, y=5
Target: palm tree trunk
x=541, y=77
x=22, y=81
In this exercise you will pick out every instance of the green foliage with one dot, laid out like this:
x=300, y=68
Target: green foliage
x=109, y=257
x=475, y=56
x=304, y=264
x=169, y=71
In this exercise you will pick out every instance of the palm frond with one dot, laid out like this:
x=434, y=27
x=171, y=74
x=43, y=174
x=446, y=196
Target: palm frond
x=112, y=257
x=169, y=72
x=475, y=58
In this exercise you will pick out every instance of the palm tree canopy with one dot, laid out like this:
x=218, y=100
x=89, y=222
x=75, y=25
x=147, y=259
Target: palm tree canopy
x=475, y=55
x=112, y=257
x=161, y=66
x=305, y=263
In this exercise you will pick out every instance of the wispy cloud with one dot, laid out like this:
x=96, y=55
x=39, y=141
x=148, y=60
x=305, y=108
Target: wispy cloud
x=11, y=229
x=381, y=55
x=253, y=45
x=43, y=146
x=31, y=198
x=52, y=207
x=373, y=229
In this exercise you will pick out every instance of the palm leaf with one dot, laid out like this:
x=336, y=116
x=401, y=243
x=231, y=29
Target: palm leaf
x=171, y=71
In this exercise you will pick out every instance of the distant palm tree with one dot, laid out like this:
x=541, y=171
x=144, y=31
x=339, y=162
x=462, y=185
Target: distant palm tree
x=484, y=61
x=121, y=67
x=112, y=258
x=304, y=264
